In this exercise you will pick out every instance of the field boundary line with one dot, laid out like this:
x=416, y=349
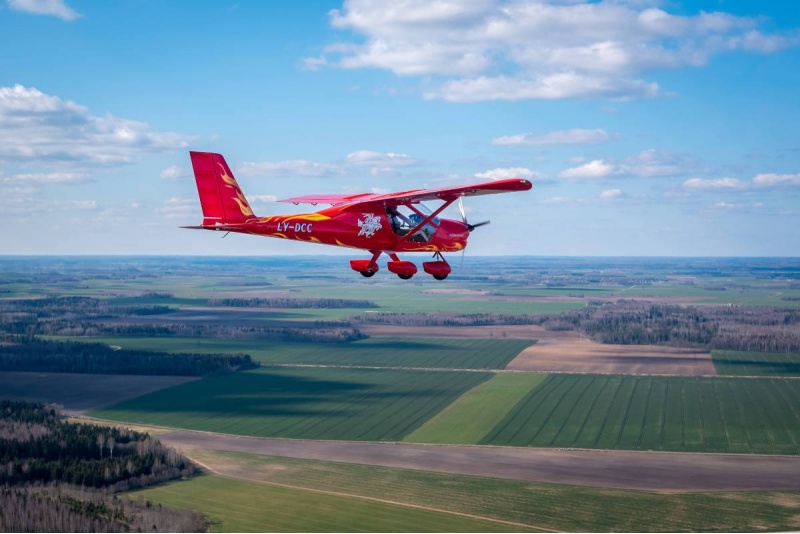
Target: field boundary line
x=520, y=371
x=365, y=498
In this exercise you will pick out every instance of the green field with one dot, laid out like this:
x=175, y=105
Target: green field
x=740, y=363
x=308, y=403
x=475, y=413
x=656, y=413
x=241, y=506
x=377, y=352
x=546, y=506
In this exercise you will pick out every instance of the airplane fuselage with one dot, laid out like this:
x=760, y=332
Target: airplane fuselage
x=370, y=230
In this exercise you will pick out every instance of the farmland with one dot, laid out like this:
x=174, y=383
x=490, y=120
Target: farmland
x=307, y=403
x=740, y=363
x=81, y=392
x=241, y=506
x=377, y=352
x=656, y=413
x=548, y=506
x=476, y=412
x=466, y=385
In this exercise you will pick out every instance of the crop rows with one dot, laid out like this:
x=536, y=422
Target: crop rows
x=373, y=352
x=742, y=363
x=387, y=352
x=309, y=403
x=656, y=413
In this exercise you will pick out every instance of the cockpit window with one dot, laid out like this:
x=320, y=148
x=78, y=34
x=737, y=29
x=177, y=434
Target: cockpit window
x=404, y=220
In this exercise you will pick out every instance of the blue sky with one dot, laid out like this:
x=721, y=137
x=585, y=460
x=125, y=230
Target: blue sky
x=648, y=127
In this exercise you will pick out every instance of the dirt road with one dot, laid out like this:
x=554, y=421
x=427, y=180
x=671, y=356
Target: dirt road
x=617, y=469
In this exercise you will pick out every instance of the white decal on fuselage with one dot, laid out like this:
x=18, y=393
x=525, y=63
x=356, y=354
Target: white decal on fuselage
x=370, y=225
x=297, y=227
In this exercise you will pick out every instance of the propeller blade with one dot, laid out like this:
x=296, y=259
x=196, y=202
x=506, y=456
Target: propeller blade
x=471, y=227
x=461, y=209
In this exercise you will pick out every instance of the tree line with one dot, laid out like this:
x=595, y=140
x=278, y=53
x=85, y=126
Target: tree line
x=47, y=464
x=745, y=328
x=84, y=316
x=444, y=319
x=29, y=353
x=291, y=303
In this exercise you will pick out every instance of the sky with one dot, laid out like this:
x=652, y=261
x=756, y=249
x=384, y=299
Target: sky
x=648, y=127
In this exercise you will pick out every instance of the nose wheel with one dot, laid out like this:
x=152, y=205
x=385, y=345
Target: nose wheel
x=439, y=269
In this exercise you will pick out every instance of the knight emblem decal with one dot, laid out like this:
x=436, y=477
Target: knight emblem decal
x=370, y=225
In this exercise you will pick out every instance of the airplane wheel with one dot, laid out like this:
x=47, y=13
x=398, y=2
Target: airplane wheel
x=440, y=276
x=367, y=274
x=405, y=276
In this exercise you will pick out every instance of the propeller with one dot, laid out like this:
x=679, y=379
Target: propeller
x=470, y=227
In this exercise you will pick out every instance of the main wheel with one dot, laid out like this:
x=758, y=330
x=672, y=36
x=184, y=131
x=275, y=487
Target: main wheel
x=440, y=276
x=405, y=276
x=367, y=274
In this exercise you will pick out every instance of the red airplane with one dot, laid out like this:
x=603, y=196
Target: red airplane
x=379, y=223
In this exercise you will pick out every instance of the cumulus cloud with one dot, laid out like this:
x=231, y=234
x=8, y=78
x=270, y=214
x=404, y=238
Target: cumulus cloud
x=174, y=172
x=377, y=162
x=289, y=168
x=701, y=184
x=50, y=178
x=772, y=180
x=55, y=8
x=179, y=208
x=576, y=136
x=37, y=127
x=548, y=49
x=261, y=199
x=611, y=193
x=593, y=169
x=648, y=163
x=504, y=173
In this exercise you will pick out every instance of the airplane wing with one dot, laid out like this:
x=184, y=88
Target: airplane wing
x=418, y=195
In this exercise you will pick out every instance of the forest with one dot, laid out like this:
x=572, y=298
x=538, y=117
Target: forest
x=84, y=316
x=289, y=303
x=55, y=473
x=743, y=328
x=29, y=353
x=444, y=319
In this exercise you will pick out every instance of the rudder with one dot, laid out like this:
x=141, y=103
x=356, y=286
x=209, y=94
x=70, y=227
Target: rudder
x=221, y=197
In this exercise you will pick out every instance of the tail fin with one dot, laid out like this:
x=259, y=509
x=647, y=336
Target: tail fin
x=220, y=196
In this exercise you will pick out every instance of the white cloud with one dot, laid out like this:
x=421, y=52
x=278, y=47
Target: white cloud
x=55, y=8
x=37, y=127
x=261, y=199
x=772, y=180
x=556, y=200
x=174, y=172
x=504, y=173
x=50, y=178
x=594, y=169
x=379, y=162
x=547, y=49
x=387, y=159
x=550, y=87
x=700, y=184
x=611, y=193
x=71, y=204
x=297, y=167
x=575, y=136
x=180, y=208
x=648, y=163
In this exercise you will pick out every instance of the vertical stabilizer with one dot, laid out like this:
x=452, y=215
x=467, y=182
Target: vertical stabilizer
x=221, y=197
